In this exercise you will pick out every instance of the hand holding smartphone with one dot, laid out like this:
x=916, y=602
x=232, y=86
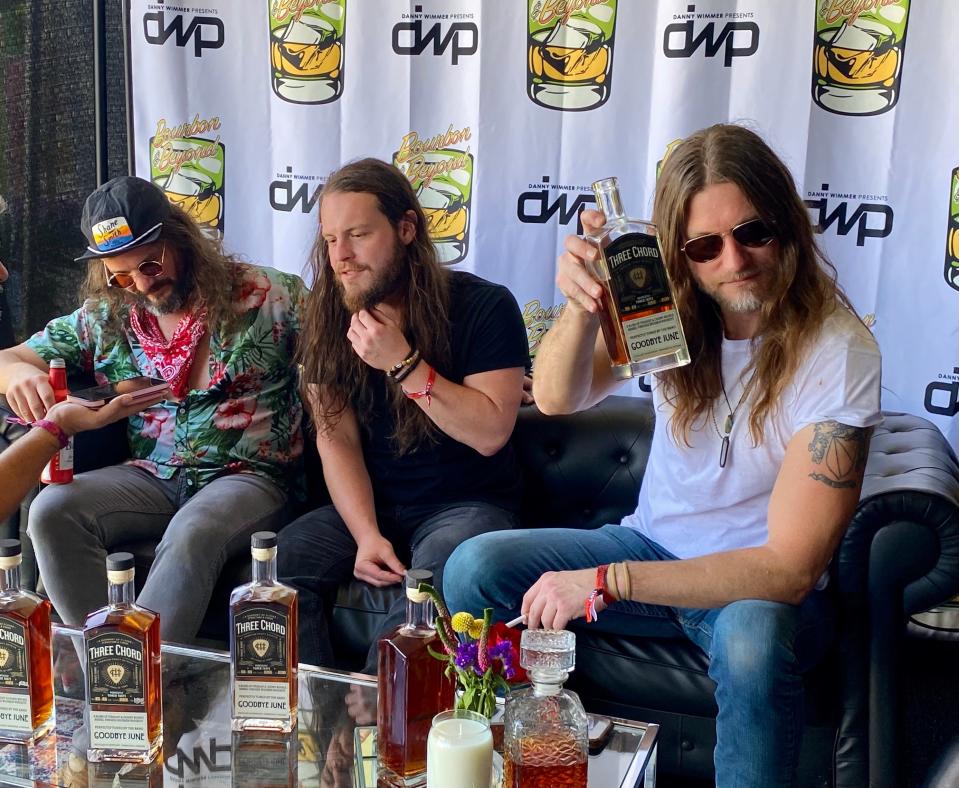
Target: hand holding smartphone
x=140, y=388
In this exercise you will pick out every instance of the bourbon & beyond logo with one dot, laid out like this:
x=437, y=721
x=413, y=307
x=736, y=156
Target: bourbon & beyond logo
x=307, y=46
x=295, y=192
x=440, y=170
x=198, y=28
x=865, y=215
x=539, y=319
x=188, y=163
x=952, y=234
x=539, y=206
x=442, y=34
x=705, y=30
x=857, y=56
x=569, y=53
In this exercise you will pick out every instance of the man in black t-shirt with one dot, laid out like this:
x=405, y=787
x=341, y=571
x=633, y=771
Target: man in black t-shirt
x=413, y=375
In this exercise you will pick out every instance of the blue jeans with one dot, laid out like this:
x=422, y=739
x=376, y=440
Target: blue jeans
x=317, y=552
x=757, y=650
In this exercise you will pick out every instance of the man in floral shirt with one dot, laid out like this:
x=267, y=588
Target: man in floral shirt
x=210, y=465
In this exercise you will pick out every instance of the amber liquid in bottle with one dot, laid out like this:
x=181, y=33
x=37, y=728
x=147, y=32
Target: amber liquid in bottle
x=546, y=762
x=412, y=690
x=122, y=642
x=639, y=319
x=26, y=666
x=263, y=646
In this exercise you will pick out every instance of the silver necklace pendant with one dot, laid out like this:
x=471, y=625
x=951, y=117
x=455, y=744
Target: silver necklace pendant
x=724, y=451
x=728, y=425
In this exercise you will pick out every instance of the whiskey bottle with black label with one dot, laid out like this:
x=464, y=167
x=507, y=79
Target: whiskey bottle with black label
x=639, y=318
x=26, y=667
x=122, y=644
x=263, y=655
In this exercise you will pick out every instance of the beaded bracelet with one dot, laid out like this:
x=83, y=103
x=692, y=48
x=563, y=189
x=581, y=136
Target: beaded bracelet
x=411, y=359
x=403, y=374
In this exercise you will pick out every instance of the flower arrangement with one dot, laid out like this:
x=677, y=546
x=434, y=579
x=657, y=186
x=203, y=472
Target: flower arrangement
x=483, y=657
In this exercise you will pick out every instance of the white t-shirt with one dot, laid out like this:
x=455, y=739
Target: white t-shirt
x=691, y=506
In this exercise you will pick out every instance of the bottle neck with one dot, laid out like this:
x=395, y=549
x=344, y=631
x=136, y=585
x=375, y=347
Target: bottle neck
x=121, y=594
x=264, y=570
x=547, y=682
x=10, y=579
x=419, y=615
x=608, y=200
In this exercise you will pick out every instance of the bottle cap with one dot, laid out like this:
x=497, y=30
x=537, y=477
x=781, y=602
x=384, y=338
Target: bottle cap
x=263, y=540
x=58, y=363
x=416, y=576
x=547, y=649
x=119, y=562
x=10, y=547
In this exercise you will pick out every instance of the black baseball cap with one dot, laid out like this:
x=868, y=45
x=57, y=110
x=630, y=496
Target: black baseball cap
x=122, y=214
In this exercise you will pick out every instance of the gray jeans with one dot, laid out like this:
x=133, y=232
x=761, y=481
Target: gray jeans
x=74, y=526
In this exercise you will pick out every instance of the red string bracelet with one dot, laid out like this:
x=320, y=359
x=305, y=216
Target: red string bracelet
x=601, y=590
x=427, y=392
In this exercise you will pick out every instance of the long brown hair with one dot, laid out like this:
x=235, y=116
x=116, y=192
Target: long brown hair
x=328, y=359
x=210, y=276
x=804, y=294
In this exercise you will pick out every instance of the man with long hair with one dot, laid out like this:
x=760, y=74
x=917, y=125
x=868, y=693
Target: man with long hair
x=756, y=461
x=413, y=376
x=210, y=465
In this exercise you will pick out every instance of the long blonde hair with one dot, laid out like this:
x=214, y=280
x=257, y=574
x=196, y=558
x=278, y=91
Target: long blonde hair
x=805, y=291
x=210, y=275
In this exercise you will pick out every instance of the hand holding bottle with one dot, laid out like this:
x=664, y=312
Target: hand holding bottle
x=574, y=278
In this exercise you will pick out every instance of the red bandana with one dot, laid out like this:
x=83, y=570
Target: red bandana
x=171, y=359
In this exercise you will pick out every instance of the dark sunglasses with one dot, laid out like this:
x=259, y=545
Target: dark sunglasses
x=151, y=268
x=752, y=234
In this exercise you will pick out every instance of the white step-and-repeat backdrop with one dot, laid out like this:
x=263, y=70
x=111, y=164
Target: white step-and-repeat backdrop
x=503, y=112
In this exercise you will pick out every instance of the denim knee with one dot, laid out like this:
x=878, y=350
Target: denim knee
x=753, y=642
x=47, y=513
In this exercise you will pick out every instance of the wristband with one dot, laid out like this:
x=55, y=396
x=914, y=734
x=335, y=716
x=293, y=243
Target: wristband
x=403, y=374
x=600, y=590
x=426, y=392
x=54, y=429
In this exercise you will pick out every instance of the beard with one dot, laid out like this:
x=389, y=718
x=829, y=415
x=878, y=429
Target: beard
x=174, y=301
x=388, y=282
x=751, y=300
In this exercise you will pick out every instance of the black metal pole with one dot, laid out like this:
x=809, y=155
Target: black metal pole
x=100, y=86
x=127, y=82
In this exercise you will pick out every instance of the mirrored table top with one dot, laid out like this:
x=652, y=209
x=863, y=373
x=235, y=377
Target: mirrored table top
x=199, y=748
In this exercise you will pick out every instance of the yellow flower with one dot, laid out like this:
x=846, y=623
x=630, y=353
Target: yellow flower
x=476, y=628
x=462, y=622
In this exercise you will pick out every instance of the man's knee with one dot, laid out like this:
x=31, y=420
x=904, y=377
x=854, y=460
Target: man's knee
x=48, y=513
x=754, y=640
x=473, y=570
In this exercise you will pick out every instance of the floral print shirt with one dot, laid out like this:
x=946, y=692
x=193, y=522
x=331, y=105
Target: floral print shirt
x=246, y=421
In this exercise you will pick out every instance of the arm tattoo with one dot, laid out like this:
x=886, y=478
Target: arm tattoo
x=841, y=452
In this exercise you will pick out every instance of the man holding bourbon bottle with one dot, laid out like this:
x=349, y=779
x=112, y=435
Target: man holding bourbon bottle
x=757, y=456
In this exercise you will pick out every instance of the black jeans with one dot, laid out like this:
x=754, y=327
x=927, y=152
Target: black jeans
x=317, y=552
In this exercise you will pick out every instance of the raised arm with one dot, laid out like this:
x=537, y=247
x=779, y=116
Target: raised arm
x=572, y=369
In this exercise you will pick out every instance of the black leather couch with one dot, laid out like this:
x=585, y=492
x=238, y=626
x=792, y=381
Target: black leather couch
x=900, y=556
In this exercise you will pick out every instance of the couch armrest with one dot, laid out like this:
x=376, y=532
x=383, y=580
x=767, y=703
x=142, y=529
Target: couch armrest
x=900, y=555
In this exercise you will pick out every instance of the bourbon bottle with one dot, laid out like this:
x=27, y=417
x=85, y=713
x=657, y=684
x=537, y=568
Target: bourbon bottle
x=60, y=468
x=122, y=644
x=26, y=666
x=639, y=318
x=263, y=655
x=412, y=689
x=546, y=739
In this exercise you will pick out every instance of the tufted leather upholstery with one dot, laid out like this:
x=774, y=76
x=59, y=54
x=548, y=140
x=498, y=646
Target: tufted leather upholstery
x=900, y=555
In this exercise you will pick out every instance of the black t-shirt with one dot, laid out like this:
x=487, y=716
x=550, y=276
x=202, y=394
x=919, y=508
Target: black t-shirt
x=487, y=333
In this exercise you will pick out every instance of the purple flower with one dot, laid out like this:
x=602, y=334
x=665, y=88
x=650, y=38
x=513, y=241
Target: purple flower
x=503, y=651
x=466, y=655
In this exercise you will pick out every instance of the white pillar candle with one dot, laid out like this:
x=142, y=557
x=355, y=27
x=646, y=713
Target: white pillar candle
x=459, y=751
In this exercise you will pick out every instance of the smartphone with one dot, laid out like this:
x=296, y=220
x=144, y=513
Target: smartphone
x=598, y=732
x=142, y=388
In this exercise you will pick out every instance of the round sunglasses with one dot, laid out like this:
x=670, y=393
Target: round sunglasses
x=752, y=234
x=151, y=268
